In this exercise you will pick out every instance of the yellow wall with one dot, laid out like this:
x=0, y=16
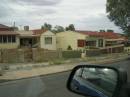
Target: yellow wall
x=64, y=39
x=10, y=45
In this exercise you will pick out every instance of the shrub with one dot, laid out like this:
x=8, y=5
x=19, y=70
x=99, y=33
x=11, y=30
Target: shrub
x=71, y=54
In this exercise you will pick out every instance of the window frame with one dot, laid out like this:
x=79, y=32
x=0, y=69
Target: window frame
x=48, y=42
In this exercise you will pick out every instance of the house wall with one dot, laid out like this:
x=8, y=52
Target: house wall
x=10, y=45
x=64, y=39
x=48, y=46
x=96, y=39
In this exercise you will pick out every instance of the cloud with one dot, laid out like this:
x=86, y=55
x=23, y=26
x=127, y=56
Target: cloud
x=39, y=2
x=4, y=10
x=97, y=23
x=85, y=14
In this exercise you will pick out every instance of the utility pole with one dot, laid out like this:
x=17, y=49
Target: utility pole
x=20, y=27
x=14, y=24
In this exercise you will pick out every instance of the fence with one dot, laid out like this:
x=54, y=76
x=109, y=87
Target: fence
x=40, y=55
x=27, y=55
x=127, y=49
x=34, y=55
x=97, y=52
x=71, y=54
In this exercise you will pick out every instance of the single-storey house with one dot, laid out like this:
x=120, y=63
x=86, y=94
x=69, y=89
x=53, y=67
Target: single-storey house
x=77, y=40
x=6, y=28
x=37, y=39
x=9, y=40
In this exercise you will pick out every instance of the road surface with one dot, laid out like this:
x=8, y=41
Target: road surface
x=53, y=85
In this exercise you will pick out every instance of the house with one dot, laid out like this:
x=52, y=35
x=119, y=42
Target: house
x=103, y=39
x=70, y=39
x=47, y=39
x=79, y=40
x=9, y=40
x=6, y=28
x=37, y=39
x=87, y=40
x=27, y=39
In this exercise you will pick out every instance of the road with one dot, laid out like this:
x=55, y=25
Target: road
x=53, y=85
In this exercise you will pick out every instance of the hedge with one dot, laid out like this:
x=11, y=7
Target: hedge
x=71, y=54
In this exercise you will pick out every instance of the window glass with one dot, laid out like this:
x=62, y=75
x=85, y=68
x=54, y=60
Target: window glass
x=0, y=39
x=48, y=40
x=13, y=39
x=4, y=39
x=9, y=39
x=100, y=41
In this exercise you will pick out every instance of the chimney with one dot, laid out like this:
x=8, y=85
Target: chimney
x=26, y=28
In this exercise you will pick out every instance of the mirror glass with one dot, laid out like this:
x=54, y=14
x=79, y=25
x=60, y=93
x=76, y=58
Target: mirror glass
x=95, y=82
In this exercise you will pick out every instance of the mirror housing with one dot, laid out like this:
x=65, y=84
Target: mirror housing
x=96, y=81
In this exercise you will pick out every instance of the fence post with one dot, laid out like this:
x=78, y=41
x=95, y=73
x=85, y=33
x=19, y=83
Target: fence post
x=21, y=55
x=60, y=53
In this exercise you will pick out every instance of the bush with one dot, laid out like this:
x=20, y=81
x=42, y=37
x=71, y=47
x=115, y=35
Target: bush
x=71, y=54
x=69, y=48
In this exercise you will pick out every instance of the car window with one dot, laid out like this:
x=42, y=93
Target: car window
x=42, y=40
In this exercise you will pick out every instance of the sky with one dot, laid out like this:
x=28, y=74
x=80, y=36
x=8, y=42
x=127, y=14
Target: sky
x=84, y=14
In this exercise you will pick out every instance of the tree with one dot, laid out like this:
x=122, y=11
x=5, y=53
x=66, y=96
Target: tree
x=67, y=28
x=109, y=30
x=102, y=31
x=46, y=26
x=70, y=27
x=119, y=12
x=58, y=29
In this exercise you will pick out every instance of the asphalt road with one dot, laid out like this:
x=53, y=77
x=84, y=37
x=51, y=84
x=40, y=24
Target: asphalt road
x=53, y=85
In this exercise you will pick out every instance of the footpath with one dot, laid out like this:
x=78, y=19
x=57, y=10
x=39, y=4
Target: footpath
x=26, y=70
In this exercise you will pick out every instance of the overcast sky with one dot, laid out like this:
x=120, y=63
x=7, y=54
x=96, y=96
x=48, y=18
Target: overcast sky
x=84, y=14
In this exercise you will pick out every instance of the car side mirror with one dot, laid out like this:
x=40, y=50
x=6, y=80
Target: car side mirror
x=95, y=81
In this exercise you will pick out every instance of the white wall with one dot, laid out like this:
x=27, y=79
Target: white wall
x=48, y=46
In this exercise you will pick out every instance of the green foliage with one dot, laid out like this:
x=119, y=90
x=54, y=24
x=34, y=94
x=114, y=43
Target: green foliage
x=109, y=30
x=69, y=48
x=102, y=31
x=46, y=26
x=119, y=12
x=58, y=29
x=70, y=27
x=71, y=54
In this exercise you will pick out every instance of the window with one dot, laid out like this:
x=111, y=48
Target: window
x=48, y=40
x=100, y=42
x=13, y=39
x=91, y=43
x=4, y=39
x=7, y=39
x=81, y=43
x=1, y=39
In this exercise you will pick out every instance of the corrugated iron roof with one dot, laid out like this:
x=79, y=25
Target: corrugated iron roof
x=108, y=35
x=26, y=34
x=8, y=33
x=4, y=26
x=38, y=31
